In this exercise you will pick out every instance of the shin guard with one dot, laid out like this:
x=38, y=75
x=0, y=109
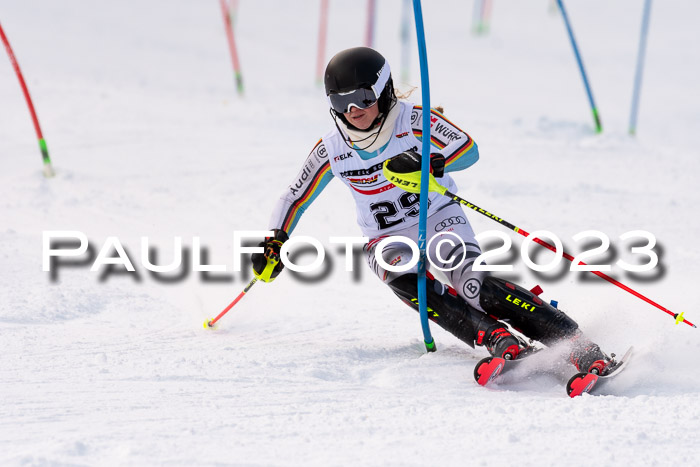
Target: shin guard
x=446, y=308
x=525, y=311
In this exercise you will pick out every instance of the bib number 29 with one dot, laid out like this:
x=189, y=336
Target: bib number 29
x=385, y=211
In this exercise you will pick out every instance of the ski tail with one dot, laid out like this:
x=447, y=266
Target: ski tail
x=488, y=369
x=581, y=383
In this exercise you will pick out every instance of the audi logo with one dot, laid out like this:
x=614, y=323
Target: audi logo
x=448, y=222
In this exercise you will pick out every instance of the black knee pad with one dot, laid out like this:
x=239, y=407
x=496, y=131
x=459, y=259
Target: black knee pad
x=525, y=311
x=445, y=307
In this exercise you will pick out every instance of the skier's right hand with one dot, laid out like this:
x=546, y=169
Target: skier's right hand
x=267, y=265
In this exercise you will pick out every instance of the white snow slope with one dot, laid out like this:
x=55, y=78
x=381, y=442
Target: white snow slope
x=149, y=139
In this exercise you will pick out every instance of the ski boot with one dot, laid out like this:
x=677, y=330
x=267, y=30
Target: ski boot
x=506, y=349
x=588, y=358
x=500, y=342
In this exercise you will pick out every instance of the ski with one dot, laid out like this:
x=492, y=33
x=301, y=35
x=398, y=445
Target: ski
x=591, y=383
x=489, y=368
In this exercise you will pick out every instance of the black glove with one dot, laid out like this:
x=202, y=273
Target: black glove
x=437, y=164
x=410, y=161
x=267, y=265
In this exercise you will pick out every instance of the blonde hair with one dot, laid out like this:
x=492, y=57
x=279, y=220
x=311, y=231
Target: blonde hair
x=404, y=95
x=407, y=94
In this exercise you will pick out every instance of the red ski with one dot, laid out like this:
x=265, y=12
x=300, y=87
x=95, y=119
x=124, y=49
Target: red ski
x=488, y=369
x=590, y=383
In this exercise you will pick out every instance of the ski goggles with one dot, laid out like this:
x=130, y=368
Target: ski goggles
x=361, y=98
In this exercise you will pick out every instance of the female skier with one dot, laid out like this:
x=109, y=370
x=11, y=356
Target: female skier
x=371, y=126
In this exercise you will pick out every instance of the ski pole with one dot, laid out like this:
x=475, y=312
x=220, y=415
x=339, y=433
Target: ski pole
x=211, y=322
x=596, y=117
x=411, y=182
x=48, y=169
x=232, y=47
x=640, y=67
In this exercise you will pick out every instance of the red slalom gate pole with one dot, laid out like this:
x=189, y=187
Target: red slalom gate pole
x=232, y=47
x=371, y=13
x=322, y=32
x=48, y=169
x=486, y=15
x=678, y=316
x=211, y=322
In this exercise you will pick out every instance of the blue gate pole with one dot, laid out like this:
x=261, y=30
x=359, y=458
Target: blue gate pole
x=425, y=171
x=596, y=117
x=640, y=66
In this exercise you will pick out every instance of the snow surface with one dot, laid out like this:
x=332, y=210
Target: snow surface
x=148, y=138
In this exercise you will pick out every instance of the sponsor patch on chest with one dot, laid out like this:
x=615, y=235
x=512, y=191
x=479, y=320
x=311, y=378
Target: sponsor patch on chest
x=365, y=180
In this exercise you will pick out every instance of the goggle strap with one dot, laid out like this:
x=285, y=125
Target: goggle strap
x=382, y=79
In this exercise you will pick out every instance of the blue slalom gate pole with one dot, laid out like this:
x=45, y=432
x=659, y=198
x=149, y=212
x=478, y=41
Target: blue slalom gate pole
x=425, y=171
x=476, y=15
x=640, y=66
x=596, y=117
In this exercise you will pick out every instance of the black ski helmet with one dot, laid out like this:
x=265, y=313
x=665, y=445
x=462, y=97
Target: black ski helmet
x=357, y=68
